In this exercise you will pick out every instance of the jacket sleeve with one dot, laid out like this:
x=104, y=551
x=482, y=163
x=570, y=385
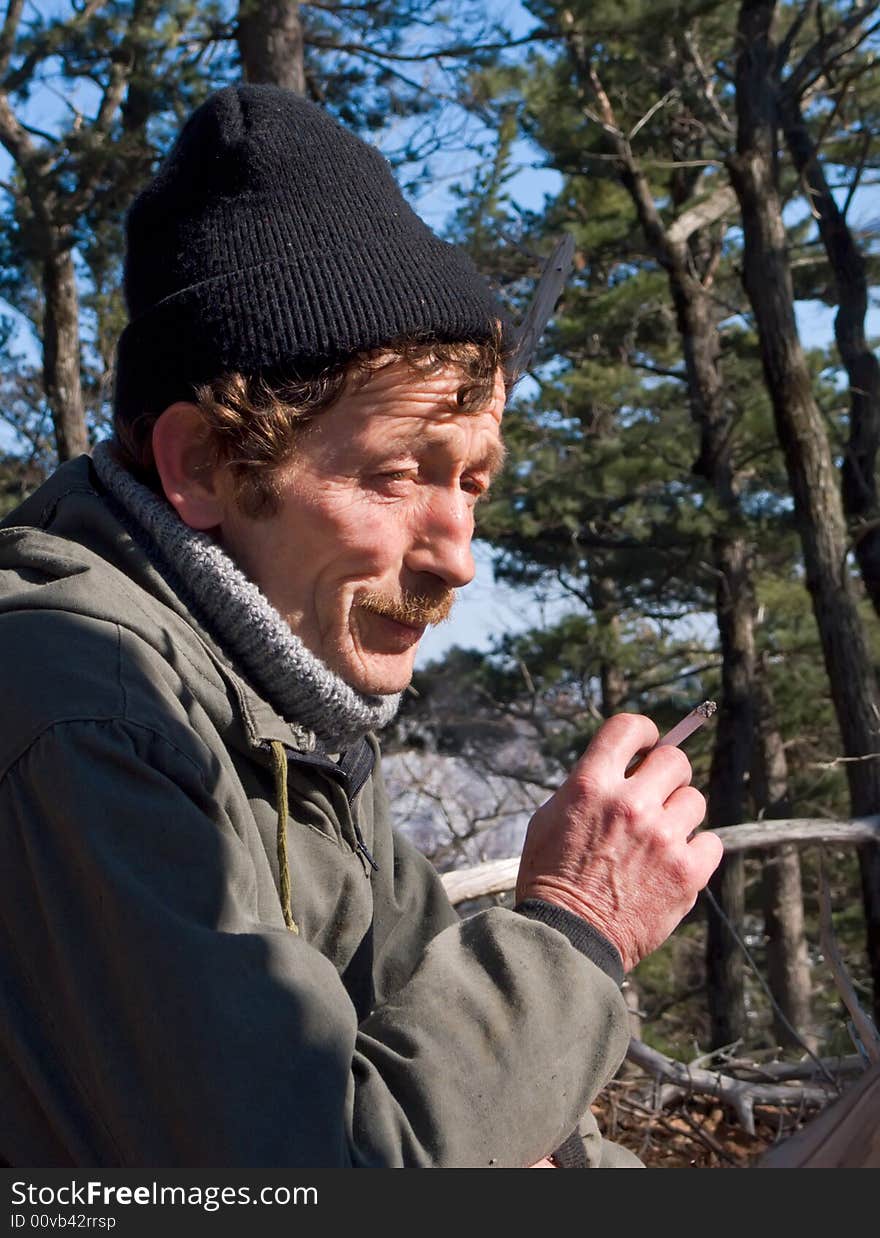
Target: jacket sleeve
x=152, y=1020
x=418, y=908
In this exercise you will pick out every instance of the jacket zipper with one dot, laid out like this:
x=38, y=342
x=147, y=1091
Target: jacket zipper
x=351, y=778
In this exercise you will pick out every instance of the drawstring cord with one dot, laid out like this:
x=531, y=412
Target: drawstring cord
x=280, y=761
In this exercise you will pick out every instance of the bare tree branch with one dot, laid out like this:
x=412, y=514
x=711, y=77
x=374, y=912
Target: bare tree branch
x=696, y=59
x=456, y=51
x=47, y=48
x=111, y=100
x=715, y=207
x=830, y=48
x=34, y=132
x=844, y=1136
x=652, y=111
x=741, y=1096
x=857, y=175
x=605, y=157
x=33, y=163
x=788, y=42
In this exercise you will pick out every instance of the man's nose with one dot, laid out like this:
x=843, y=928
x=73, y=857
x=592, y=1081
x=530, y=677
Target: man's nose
x=441, y=543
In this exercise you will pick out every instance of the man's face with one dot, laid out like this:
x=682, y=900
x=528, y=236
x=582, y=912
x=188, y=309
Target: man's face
x=376, y=519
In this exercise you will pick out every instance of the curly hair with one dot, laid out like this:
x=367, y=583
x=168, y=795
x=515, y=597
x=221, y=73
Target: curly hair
x=253, y=421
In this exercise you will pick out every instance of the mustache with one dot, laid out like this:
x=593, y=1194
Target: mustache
x=416, y=609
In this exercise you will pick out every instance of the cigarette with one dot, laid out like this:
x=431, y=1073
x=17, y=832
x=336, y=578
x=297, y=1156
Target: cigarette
x=687, y=726
x=690, y=723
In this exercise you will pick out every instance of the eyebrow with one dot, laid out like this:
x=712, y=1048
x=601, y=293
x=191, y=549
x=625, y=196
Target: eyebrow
x=494, y=459
x=491, y=461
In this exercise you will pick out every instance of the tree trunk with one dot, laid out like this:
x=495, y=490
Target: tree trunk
x=701, y=343
x=606, y=610
x=801, y=433
x=50, y=246
x=61, y=354
x=270, y=40
x=788, y=966
x=847, y=263
x=143, y=90
x=728, y=788
x=735, y=614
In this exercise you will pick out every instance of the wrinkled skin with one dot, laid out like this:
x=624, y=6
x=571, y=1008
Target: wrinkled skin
x=617, y=849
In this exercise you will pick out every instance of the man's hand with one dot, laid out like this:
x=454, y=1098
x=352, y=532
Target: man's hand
x=617, y=850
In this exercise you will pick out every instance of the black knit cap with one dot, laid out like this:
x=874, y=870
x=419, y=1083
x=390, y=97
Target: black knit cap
x=273, y=238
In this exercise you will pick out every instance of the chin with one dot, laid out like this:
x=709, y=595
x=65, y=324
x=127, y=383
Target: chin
x=378, y=685
x=380, y=680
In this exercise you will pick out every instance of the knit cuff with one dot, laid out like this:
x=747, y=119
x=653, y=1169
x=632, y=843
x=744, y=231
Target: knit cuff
x=571, y=1154
x=579, y=932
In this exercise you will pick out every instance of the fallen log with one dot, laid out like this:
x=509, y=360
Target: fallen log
x=779, y=1072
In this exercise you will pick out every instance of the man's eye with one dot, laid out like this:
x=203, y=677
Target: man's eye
x=396, y=475
x=394, y=482
x=475, y=488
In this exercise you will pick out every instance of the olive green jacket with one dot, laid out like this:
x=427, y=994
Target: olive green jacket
x=155, y=1008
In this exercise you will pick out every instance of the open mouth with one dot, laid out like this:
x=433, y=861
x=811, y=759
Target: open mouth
x=393, y=633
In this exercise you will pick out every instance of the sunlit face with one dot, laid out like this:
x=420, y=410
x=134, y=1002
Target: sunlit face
x=376, y=520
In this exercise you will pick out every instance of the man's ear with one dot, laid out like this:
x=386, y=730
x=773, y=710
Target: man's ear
x=183, y=462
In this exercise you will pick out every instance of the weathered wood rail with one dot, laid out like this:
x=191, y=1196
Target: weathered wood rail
x=844, y=1136
x=499, y=876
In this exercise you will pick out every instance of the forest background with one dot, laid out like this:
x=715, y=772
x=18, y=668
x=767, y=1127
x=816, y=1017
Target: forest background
x=690, y=505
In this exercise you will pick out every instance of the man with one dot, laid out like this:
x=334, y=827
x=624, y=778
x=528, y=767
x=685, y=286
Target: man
x=215, y=951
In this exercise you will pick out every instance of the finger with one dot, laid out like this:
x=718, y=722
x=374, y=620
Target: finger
x=705, y=851
x=618, y=740
x=685, y=810
x=662, y=771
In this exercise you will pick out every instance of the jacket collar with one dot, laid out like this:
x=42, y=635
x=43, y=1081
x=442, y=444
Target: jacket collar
x=72, y=520
x=244, y=623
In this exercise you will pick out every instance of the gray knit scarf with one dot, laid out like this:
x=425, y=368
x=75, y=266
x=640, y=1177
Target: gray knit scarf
x=242, y=620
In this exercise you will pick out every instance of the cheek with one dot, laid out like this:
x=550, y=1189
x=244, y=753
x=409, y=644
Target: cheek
x=340, y=537
x=364, y=552
x=366, y=530
x=319, y=528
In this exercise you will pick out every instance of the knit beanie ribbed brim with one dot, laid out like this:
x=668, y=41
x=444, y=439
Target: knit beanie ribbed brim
x=273, y=238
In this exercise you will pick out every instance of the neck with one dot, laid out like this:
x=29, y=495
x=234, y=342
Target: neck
x=241, y=619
